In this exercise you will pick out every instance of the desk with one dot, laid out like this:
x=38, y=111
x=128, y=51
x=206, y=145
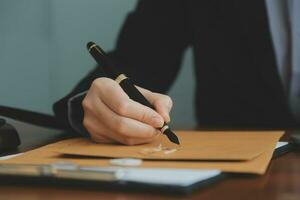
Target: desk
x=282, y=180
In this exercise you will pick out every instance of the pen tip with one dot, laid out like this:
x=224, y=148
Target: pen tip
x=172, y=137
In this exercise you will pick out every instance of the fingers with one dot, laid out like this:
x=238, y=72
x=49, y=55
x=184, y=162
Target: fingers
x=102, y=134
x=98, y=132
x=110, y=137
x=104, y=125
x=162, y=103
x=120, y=103
x=111, y=116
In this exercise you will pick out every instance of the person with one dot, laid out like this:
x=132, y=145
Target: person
x=245, y=68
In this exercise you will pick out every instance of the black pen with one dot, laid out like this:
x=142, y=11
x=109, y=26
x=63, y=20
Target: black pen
x=102, y=59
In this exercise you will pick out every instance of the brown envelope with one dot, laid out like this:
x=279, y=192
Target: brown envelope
x=258, y=165
x=194, y=146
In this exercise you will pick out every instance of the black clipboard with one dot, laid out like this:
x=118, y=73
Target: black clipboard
x=106, y=181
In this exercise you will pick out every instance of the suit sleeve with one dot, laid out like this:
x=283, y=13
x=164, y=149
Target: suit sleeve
x=149, y=50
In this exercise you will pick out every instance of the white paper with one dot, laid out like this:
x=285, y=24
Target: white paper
x=174, y=177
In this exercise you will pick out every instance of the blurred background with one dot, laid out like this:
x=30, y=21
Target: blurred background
x=43, y=52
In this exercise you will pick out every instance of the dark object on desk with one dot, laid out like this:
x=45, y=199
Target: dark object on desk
x=102, y=59
x=9, y=138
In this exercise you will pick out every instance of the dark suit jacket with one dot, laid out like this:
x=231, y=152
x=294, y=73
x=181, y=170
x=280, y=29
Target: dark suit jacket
x=237, y=84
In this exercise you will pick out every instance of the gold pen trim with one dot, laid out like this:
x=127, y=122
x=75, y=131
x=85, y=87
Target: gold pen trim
x=165, y=127
x=120, y=78
x=94, y=45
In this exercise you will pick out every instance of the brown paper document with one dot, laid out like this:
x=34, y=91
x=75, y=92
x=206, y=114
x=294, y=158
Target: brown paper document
x=257, y=165
x=194, y=146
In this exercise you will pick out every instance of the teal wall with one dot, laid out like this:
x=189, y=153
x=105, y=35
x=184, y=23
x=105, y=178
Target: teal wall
x=42, y=51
